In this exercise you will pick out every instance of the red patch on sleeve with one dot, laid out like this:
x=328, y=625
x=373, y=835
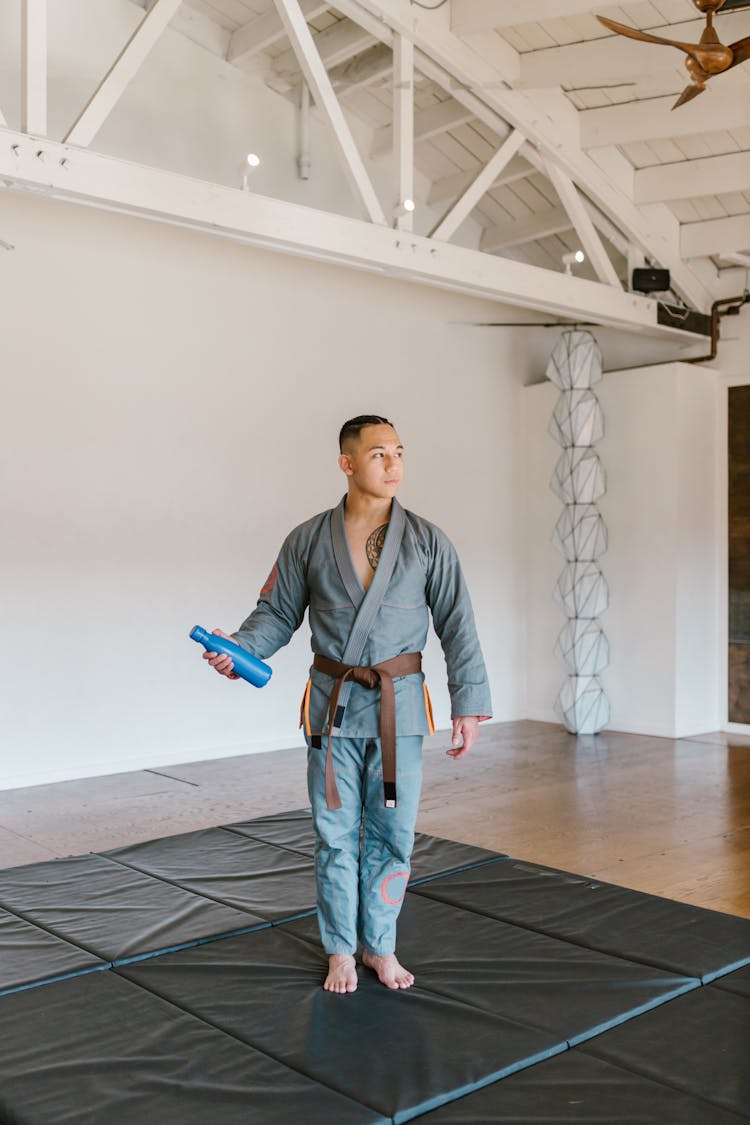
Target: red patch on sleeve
x=270, y=581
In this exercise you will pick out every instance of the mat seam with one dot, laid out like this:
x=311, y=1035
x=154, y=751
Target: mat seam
x=151, y=991
x=180, y=887
x=578, y=944
x=659, y=1082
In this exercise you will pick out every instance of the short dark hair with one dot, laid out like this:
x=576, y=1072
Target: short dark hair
x=354, y=426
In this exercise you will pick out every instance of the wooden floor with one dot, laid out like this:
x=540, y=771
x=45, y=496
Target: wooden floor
x=669, y=817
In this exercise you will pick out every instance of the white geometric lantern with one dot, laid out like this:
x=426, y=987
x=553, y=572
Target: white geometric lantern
x=583, y=648
x=579, y=477
x=577, y=419
x=581, y=591
x=580, y=533
x=582, y=706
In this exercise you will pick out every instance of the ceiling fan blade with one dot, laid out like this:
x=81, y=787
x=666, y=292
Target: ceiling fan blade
x=646, y=36
x=740, y=51
x=688, y=94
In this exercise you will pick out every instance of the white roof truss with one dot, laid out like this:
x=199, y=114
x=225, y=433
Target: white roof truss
x=336, y=44
x=34, y=67
x=403, y=129
x=450, y=223
x=450, y=188
x=78, y=175
x=267, y=29
x=583, y=225
x=317, y=79
x=121, y=73
x=543, y=224
x=428, y=123
x=465, y=72
x=627, y=181
x=364, y=69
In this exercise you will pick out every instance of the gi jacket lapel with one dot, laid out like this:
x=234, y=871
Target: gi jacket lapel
x=366, y=604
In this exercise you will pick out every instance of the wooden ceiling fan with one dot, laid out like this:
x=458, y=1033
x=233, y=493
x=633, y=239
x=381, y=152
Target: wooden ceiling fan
x=704, y=59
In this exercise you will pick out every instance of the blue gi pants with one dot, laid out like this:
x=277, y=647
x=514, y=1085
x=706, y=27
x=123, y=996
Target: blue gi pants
x=363, y=850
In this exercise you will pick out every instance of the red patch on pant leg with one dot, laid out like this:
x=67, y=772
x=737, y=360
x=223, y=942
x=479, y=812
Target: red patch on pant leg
x=271, y=580
x=384, y=887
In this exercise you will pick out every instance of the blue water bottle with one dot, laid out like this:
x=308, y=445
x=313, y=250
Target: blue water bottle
x=245, y=665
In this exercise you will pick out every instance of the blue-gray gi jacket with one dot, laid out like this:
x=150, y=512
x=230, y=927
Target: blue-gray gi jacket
x=427, y=577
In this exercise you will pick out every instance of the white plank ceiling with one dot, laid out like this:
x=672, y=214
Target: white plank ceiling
x=524, y=130
x=695, y=161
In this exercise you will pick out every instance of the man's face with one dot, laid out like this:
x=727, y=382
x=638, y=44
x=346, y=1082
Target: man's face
x=374, y=462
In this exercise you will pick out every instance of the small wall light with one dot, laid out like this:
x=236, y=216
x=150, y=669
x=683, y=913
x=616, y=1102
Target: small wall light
x=571, y=258
x=250, y=162
x=405, y=207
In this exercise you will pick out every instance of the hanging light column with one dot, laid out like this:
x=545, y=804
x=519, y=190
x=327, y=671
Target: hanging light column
x=580, y=534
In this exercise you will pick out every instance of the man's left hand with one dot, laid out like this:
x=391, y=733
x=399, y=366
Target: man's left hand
x=465, y=730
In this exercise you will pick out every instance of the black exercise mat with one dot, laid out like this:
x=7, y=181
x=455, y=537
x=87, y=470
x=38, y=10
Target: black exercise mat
x=269, y=882
x=434, y=856
x=699, y=1043
x=575, y=1089
x=293, y=830
x=431, y=855
x=30, y=955
x=738, y=981
x=99, y=1050
x=630, y=924
x=112, y=911
x=400, y=1053
x=571, y=992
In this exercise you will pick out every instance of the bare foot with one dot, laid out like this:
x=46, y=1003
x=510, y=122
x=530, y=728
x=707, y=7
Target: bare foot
x=390, y=972
x=342, y=973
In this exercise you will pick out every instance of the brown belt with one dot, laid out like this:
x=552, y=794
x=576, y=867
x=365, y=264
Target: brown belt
x=405, y=665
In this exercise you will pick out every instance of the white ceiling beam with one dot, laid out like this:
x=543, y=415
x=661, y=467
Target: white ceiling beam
x=121, y=73
x=197, y=27
x=34, y=67
x=403, y=128
x=480, y=15
x=317, y=79
x=654, y=119
x=428, y=123
x=363, y=70
x=450, y=223
x=339, y=42
x=451, y=187
x=553, y=220
x=715, y=236
x=686, y=179
x=77, y=175
x=261, y=33
x=742, y=260
x=464, y=71
x=615, y=58
x=584, y=227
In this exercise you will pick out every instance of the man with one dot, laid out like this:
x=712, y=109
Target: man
x=369, y=572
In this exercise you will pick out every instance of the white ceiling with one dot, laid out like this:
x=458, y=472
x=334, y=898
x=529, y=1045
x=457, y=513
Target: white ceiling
x=695, y=161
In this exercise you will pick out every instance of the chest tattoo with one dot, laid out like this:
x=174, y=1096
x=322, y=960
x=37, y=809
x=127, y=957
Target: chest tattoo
x=375, y=545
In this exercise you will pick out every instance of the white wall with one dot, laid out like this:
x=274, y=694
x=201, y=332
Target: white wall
x=660, y=452
x=170, y=409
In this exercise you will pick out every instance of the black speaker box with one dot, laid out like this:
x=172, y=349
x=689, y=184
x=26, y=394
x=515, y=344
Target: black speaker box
x=651, y=281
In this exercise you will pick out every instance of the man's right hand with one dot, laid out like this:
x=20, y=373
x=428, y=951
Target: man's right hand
x=219, y=660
